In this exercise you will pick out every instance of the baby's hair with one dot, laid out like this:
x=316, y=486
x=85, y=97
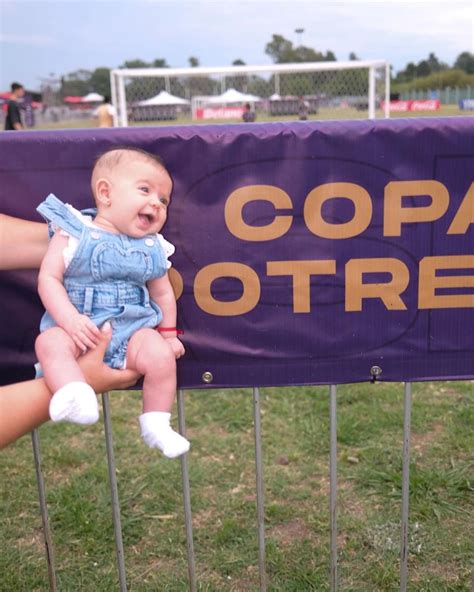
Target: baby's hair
x=113, y=157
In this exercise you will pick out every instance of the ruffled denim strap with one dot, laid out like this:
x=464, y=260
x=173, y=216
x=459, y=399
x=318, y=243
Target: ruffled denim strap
x=58, y=214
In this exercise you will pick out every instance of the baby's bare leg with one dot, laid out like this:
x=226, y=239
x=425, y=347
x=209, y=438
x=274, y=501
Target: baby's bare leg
x=150, y=355
x=73, y=400
x=57, y=355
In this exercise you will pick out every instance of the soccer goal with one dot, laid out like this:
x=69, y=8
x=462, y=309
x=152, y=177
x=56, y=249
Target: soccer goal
x=317, y=90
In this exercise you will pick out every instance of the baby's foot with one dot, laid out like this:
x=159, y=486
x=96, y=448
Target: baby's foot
x=157, y=433
x=75, y=402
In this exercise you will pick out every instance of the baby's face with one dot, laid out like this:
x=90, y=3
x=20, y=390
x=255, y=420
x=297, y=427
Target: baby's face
x=140, y=193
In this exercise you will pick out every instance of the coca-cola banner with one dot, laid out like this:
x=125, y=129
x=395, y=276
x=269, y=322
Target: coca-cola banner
x=306, y=252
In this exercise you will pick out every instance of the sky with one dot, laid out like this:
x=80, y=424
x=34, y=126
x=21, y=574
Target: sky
x=40, y=39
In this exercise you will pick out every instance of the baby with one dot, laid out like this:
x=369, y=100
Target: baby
x=110, y=264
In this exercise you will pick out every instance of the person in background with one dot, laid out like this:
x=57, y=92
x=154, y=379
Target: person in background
x=248, y=115
x=105, y=113
x=303, y=109
x=13, y=120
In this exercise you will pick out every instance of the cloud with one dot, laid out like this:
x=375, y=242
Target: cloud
x=30, y=40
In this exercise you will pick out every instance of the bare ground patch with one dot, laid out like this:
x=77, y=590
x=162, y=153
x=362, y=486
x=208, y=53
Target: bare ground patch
x=288, y=533
x=421, y=442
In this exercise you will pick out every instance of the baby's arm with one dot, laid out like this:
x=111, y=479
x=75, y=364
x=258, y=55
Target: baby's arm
x=56, y=301
x=162, y=293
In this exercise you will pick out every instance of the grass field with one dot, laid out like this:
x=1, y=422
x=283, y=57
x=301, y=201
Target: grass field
x=323, y=115
x=295, y=450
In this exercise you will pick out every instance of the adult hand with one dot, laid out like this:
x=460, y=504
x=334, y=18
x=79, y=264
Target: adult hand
x=99, y=375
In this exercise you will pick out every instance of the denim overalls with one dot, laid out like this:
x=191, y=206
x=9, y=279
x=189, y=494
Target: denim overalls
x=106, y=277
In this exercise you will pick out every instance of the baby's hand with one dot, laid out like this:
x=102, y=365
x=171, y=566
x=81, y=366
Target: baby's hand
x=176, y=346
x=83, y=332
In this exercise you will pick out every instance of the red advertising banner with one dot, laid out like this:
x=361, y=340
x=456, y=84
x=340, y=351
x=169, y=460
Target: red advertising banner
x=425, y=105
x=219, y=113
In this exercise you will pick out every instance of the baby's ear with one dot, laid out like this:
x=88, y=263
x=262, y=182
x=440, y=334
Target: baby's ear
x=102, y=191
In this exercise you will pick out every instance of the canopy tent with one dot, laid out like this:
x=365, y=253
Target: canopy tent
x=233, y=96
x=163, y=98
x=92, y=97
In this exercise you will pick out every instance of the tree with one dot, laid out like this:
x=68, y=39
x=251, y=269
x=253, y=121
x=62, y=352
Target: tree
x=330, y=57
x=136, y=88
x=239, y=82
x=193, y=61
x=307, y=54
x=135, y=64
x=76, y=83
x=465, y=62
x=424, y=68
x=280, y=49
x=451, y=77
x=100, y=81
x=159, y=63
x=435, y=65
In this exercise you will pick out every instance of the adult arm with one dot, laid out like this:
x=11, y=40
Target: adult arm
x=24, y=406
x=23, y=244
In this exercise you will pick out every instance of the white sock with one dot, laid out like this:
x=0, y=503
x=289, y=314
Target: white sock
x=75, y=402
x=157, y=433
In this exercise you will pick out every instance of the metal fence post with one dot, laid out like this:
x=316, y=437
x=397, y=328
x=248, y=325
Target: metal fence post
x=114, y=494
x=371, y=93
x=48, y=543
x=188, y=519
x=259, y=485
x=333, y=483
x=405, y=487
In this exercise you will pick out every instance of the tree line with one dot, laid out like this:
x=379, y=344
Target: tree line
x=427, y=73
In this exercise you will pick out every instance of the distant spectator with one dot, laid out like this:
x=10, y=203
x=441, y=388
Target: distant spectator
x=303, y=109
x=105, y=113
x=13, y=119
x=248, y=115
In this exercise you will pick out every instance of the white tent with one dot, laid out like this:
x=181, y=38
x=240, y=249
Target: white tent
x=233, y=96
x=92, y=97
x=163, y=98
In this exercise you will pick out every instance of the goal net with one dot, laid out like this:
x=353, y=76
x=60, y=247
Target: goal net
x=317, y=90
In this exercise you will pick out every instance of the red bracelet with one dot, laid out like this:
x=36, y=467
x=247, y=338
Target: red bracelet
x=164, y=329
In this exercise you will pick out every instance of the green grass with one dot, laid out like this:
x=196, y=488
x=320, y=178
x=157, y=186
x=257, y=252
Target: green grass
x=295, y=449
x=323, y=115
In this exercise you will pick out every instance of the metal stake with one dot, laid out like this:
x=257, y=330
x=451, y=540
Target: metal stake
x=259, y=482
x=44, y=512
x=114, y=494
x=333, y=483
x=405, y=488
x=188, y=518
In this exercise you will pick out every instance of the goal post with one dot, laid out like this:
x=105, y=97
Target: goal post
x=325, y=90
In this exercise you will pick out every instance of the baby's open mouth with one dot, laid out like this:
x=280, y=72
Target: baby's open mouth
x=146, y=218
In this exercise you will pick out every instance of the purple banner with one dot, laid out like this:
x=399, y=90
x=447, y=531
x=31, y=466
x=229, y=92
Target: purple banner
x=305, y=252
